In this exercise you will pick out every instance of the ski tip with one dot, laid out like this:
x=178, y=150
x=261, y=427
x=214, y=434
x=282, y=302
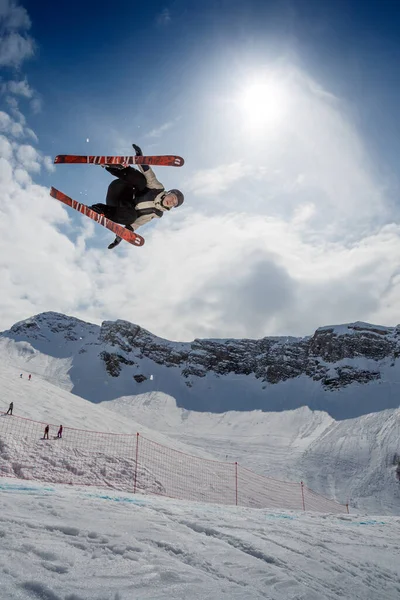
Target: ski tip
x=139, y=241
x=61, y=158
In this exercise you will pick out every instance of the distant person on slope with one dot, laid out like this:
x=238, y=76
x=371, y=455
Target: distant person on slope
x=136, y=197
x=59, y=433
x=46, y=432
x=10, y=409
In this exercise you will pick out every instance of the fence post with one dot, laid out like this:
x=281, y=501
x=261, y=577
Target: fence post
x=236, y=482
x=302, y=495
x=136, y=465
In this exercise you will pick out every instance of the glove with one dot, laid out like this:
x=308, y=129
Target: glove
x=117, y=241
x=139, y=152
x=137, y=149
x=103, y=209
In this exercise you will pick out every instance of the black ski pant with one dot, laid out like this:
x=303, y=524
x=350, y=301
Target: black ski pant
x=121, y=193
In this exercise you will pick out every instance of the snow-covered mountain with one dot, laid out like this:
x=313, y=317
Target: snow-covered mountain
x=346, y=370
x=355, y=459
x=346, y=460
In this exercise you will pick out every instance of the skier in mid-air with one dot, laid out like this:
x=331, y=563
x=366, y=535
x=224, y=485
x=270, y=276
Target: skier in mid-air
x=136, y=197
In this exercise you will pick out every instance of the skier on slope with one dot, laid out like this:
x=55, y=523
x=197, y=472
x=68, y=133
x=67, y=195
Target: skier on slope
x=136, y=197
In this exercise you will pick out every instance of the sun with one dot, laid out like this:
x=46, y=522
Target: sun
x=263, y=103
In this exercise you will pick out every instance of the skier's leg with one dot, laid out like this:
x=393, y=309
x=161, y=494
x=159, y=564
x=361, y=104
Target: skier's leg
x=117, y=191
x=130, y=176
x=120, y=195
x=119, y=205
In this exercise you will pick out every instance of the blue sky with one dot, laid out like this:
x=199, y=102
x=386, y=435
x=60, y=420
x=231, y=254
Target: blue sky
x=287, y=116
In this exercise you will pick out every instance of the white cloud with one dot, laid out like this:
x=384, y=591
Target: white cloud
x=22, y=177
x=29, y=158
x=8, y=125
x=20, y=88
x=16, y=128
x=48, y=164
x=15, y=45
x=36, y=105
x=13, y=16
x=5, y=147
x=5, y=121
x=14, y=49
x=30, y=133
x=218, y=179
x=23, y=90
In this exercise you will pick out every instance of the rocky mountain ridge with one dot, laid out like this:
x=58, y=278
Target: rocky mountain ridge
x=272, y=373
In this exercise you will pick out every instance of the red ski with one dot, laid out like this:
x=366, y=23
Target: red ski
x=129, y=236
x=161, y=161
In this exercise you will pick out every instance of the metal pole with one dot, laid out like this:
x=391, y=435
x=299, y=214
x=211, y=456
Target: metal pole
x=136, y=465
x=236, y=481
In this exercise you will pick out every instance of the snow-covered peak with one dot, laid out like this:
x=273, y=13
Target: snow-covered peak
x=347, y=370
x=354, y=328
x=47, y=324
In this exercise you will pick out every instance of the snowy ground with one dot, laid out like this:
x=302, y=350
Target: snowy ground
x=62, y=543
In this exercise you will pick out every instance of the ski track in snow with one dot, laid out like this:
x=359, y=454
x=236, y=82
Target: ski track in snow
x=61, y=543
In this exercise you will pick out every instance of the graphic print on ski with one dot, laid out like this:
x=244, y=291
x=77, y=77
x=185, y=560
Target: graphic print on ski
x=166, y=160
x=128, y=236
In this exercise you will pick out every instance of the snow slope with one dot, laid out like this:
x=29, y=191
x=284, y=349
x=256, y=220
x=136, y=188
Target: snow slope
x=41, y=400
x=350, y=461
x=62, y=543
x=268, y=442
x=358, y=457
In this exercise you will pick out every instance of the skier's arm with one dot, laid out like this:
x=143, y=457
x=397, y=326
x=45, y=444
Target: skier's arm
x=142, y=220
x=151, y=180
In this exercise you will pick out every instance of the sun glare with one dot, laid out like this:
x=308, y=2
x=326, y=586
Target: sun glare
x=263, y=104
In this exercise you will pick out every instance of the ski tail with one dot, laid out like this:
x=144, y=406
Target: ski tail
x=119, y=230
